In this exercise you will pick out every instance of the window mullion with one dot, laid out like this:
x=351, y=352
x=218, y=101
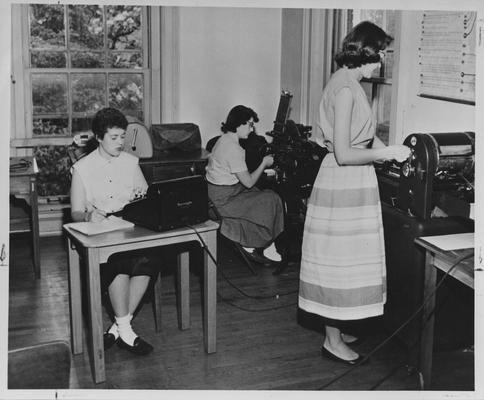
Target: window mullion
x=106, y=55
x=69, y=74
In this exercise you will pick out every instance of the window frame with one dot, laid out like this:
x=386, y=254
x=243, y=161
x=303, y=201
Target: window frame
x=22, y=132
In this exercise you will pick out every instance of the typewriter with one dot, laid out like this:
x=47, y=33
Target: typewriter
x=170, y=204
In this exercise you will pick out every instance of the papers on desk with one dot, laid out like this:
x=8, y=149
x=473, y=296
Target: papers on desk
x=455, y=241
x=110, y=224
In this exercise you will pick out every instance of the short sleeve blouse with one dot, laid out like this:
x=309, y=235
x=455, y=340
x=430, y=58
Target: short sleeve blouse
x=362, y=121
x=226, y=159
x=109, y=184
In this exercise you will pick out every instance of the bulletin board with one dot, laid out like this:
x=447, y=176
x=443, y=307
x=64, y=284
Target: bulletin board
x=447, y=56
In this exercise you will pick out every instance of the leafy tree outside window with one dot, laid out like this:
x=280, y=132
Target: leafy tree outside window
x=83, y=58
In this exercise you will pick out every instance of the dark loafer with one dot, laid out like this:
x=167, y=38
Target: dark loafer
x=109, y=339
x=326, y=353
x=139, y=347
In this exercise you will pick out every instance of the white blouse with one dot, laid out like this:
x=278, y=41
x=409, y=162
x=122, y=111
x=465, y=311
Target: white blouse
x=226, y=159
x=110, y=184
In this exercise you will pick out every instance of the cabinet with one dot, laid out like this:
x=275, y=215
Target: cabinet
x=174, y=164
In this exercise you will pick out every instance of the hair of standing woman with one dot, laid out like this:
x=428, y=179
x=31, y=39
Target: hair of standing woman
x=362, y=45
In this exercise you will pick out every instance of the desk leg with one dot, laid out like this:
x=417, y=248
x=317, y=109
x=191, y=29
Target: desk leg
x=210, y=292
x=95, y=314
x=183, y=269
x=34, y=209
x=158, y=304
x=427, y=336
x=75, y=300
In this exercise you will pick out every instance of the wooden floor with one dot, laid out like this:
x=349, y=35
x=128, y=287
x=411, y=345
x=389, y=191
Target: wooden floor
x=261, y=344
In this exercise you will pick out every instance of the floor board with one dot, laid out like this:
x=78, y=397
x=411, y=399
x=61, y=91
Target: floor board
x=261, y=344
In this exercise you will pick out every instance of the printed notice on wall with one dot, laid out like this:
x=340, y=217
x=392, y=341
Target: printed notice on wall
x=447, y=56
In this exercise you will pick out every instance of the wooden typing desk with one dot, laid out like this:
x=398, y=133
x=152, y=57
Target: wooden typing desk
x=96, y=249
x=443, y=260
x=23, y=185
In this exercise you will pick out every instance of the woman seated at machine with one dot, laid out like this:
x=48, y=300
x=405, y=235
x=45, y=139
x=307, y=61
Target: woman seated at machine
x=252, y=217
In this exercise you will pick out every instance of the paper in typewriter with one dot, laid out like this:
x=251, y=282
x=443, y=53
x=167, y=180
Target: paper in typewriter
x=110, y=224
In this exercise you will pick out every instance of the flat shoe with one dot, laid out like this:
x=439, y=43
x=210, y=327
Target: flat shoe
x=139, y=347
x=326, y=353
x=109, y=339
x=260, y=259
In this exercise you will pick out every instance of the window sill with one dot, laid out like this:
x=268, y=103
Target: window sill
x=41, y=141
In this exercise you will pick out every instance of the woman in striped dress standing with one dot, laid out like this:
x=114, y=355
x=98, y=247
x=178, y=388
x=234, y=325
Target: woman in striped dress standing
x=343, y=275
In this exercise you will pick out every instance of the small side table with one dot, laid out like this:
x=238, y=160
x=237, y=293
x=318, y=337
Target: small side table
x=23, y=185
x=443, y=260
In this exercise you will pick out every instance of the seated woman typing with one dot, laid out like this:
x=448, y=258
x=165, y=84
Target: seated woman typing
x=252, y=217
x=103, y=182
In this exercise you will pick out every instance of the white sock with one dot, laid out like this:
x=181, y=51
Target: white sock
x=248, y=249
x=125, y=330
x=114, y=328
x=272, y=254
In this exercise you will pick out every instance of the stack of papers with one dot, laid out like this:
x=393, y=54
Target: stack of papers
x=456, y=241
x=110, y=224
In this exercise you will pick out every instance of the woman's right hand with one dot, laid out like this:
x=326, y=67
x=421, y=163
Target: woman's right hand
x=398, y=152
x=268, y=161
x=95, y=215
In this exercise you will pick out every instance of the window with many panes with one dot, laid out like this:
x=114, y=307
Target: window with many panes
x=83, y=58
x=379, y=87
x=78, y=59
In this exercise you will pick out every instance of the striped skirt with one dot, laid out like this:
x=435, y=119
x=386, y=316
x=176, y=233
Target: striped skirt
x=343, y=274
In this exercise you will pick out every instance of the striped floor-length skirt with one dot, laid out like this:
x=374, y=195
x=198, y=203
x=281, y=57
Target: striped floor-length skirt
x=343, y=274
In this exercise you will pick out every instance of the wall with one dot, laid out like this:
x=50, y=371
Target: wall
x=229, y=56
x=291, y=56
x=417, y=114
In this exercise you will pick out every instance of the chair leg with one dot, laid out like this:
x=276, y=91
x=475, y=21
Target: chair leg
x=238, y=247
x=157, y=302
x=246, y=259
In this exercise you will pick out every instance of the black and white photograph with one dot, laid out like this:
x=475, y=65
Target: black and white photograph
x=241, y=198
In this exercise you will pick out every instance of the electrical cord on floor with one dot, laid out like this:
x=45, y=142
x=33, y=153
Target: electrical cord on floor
x=436, y=310
x=457, y=262
x=241, y=291
x=230, y=302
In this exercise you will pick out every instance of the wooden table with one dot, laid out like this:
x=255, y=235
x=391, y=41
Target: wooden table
x=438, y=259
x=23, y=185
x=95, y=250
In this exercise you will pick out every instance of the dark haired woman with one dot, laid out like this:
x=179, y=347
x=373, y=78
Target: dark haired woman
x=250, y=216
x=343, y=276
x=103, y=182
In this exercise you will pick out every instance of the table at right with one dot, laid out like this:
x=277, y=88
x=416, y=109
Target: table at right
x=437, y=258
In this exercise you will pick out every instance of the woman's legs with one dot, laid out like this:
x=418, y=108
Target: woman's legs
x=137, y=288
x=119, y=294
x=125, y=294
x=333, y=342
